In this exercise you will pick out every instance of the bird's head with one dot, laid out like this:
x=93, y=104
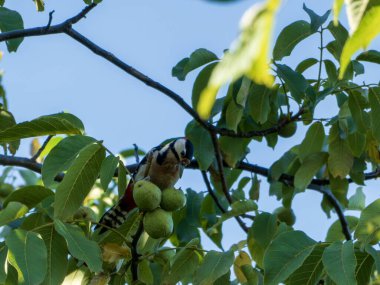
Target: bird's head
x=184, y=149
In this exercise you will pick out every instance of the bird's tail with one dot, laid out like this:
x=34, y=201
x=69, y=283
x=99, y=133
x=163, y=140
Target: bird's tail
x=116, y=216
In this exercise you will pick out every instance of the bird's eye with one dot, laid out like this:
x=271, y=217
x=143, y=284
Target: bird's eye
x=183, y=153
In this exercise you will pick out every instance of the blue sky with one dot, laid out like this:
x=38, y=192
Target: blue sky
x=54, y=73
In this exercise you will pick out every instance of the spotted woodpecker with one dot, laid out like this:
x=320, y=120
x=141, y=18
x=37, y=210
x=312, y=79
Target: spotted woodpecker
x=163, y=165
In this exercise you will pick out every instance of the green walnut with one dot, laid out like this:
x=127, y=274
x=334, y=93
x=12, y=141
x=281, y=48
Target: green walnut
x=288, y=130
x=172, y=199
x=147, y=196
x=85, y=214
x=158, y=223
x=285, y=215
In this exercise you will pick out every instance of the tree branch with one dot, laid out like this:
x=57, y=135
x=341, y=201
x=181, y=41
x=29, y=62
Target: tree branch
x=219, y=160
x=211, y=192
x=47, y=30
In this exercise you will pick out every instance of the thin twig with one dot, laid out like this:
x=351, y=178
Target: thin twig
x=50, y=20
x=211, y=192
x=135, y=255
x=320, y=59
x=136, y=148
x=219, y=160
x=41, y=149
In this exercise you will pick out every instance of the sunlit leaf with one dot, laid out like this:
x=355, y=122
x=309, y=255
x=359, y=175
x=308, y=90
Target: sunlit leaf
x=357, y=201
x=367, y=30
x=249, y=55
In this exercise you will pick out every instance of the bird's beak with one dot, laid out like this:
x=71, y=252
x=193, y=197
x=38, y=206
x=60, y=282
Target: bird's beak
x=185, y=161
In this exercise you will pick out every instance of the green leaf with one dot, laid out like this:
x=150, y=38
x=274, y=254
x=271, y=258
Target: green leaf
x=331, y=71
x=79, y=246
x=340, y=158
x=249, y=56
x=121, y=179
x=340, y=262
x=286, y=254
x=30, y=196
x=310, y=272
x=306, y=64
x=60, y=123
x=367, y=30
x=233, y=149
x=259, y=103
x=215, y=264
x=200, y=83
x=282, y=165
x=144, y=272
x=203, y=147
x=78, y=181
x=57, y=262
x=335, y=232
x=368, y=227
x=309, y=167
x=357, y=104
x=364, y=267
x=374, y=101
x=296, y=83
x=62, y=156
x=369, y=56
x=3, y=262
x=260, y=235
x=375, y=255
x=7, y=120
x=107, y=170
x=289, y=37
x=357, y=201
x=185, y=262
x=313, y=141
x=11, y=20
x=340, y=35
x=27, y=253
x=198, y=58
x=356, y=143
x=11, y=212
x=316, y=20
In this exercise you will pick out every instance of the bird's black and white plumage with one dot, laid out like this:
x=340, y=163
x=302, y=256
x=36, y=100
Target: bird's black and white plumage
x=163, y=165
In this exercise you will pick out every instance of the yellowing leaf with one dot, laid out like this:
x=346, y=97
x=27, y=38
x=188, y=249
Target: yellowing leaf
x=368, y=29
x=249, y=55
x=241, y=260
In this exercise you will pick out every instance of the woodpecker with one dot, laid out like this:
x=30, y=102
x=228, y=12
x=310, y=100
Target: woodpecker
x=163, y=165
